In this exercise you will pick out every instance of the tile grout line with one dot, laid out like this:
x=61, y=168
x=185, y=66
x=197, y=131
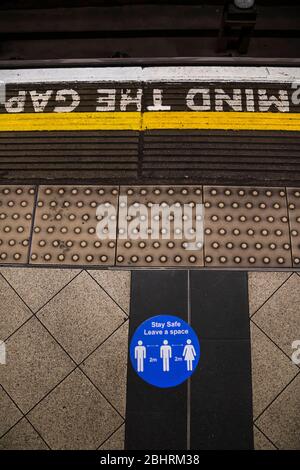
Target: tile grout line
x=289, y=225
x=265, y=435
x=19, y=327
x=23, y=302
x=16, y=292
x=17, y=406
x=203, y=222
x=77, y=366
x=117, y=226
x=98, y=284
x=270, y=339
x=114, y=432
x=101, y=393
x=43, y=439
x=275, y=291
x=19, y=420
x=188, y=411
x=33, y=314
x=35, y=201
x=49, y=300
x=50, y=391
x=103, y=342
x=59, y=291
x=276, y=397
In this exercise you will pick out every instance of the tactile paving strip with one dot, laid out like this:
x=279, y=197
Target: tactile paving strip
x=169, y=248
x=246, y=227
x=65, y=226
x=293, y=195
x=16, y=209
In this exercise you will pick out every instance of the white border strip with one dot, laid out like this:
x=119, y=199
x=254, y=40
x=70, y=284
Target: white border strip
x=153, y=74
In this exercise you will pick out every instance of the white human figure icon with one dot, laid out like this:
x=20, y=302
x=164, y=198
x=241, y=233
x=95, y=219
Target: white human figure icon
x=165, y=355
x=189, y=354
x=140, y=355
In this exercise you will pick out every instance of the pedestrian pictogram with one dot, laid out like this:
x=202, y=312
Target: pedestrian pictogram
x=140, y=355
x=164, y=351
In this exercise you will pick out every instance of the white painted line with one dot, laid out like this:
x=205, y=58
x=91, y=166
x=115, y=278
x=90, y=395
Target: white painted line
x=153, y=74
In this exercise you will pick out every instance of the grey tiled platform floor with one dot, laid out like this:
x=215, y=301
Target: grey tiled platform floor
x=66, y=330
x=274, y=300
x=66, y=334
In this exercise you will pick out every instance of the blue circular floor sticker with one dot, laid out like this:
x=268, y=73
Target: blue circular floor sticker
x=164, y=351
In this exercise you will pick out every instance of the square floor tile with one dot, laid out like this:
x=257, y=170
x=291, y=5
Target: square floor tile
x=224, y=315
x=261, y=285
x=116, y=284
x=261, y=442
x=246, y=227
x=107, y=368
x=116, y=441
x=279, y=317
x=13, y=312
x=281, y=421
x=221, y=397
x=293, y=195
x=35, y=364
x=37, y=285
x=160, y=226
x=271, y=370
x=75, y=415
x=16, y=211
x=22, y=437
x=9, y=413
x=65, y=226
x=81, y=316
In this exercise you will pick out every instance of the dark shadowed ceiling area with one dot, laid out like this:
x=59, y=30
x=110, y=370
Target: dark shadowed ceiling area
x=77, y=29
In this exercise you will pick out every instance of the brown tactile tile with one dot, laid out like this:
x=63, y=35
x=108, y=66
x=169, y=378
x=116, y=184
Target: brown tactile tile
x=246, y=227
x=107, y=368
x=116, y=441
x=261, y=442
x=75, y=415
x=9, y=413
x=281, y=421
x=22, y=437
x=35, y=364
x=261, y=286
x=13, y=312
x=37, y=285
x=116, y=284
x=279, y=317
x=16, y=210
x=81, y=316
x=293, y=195
x=65, y=226
x=170, y=250
x=271, y=370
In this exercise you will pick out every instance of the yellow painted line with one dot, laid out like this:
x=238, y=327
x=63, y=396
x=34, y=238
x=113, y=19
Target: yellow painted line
x=71, y=121
x=136, y=121
x=222, y=120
